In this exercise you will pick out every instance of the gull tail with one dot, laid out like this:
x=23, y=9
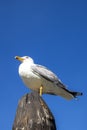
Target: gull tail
x=62, y=91
x=75, y=94
x=67, y=94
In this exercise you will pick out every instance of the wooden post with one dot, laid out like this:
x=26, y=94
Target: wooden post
x=33, y=114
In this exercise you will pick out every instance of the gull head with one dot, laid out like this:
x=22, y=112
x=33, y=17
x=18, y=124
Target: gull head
x=24, y=59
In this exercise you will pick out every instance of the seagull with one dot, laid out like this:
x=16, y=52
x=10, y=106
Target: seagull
x=41, y=79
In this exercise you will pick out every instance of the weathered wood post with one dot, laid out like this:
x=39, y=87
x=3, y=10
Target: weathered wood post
x=33, y=114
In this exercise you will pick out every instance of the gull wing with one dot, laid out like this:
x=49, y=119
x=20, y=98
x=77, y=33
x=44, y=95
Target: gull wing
x=50, y=76
x=47, y=74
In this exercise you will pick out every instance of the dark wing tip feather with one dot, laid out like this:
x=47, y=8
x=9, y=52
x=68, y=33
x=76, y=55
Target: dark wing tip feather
x=75, y=94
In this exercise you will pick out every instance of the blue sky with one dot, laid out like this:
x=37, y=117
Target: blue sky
x=54, y=34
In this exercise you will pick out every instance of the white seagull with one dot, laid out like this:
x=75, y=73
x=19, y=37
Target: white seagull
x=42, y=80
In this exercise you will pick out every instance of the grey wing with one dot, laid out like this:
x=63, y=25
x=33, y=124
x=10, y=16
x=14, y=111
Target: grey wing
x=47, y=74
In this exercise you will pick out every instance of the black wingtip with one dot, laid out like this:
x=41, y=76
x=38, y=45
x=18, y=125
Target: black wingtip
x=79, y=94
x=75, y=94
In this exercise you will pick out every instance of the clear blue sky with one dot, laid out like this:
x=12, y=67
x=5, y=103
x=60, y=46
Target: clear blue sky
x=54, y=34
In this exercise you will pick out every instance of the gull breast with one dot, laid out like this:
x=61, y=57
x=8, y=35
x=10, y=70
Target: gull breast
x=30, y=79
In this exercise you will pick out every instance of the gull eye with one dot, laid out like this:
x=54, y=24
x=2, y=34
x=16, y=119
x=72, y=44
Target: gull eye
x=27, y=57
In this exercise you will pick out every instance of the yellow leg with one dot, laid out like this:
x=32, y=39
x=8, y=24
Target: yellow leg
x=41, y=91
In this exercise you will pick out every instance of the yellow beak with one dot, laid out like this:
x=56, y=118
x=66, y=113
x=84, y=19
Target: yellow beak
x=19, y=58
